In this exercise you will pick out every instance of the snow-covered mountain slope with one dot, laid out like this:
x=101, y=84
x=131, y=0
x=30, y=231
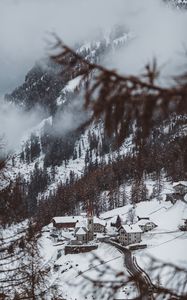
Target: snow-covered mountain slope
x=43, y=85
x=58, y=150
x=56, y=94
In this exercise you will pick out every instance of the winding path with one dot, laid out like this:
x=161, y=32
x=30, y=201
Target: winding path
x=143, y=283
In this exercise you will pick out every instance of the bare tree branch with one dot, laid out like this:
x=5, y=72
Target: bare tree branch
x=123, y=100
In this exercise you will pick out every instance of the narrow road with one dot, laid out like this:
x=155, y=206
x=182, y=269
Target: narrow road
x=143, y=281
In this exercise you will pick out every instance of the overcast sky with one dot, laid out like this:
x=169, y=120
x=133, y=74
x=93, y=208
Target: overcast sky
x=25, y=27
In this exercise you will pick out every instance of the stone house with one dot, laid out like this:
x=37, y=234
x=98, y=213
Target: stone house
x=81, y=235
x=146, y=225
x=179, y=191
x=66, y=222
x=129, y=234
x=81, y=231
x=99, y=225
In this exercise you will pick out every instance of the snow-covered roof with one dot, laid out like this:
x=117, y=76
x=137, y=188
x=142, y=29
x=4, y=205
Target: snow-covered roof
x=82, y=223
x=84, y=214
x=96, y=220
x=68, y=219
x=144, y=222
x=80, y=231
x=180, y=182
x=134, y=228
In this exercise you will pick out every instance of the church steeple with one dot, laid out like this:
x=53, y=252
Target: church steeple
x=90, y=220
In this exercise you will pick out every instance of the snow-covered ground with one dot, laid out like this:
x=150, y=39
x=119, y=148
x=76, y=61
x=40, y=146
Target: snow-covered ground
x=62, y=172
x=166, y=243
x=74, y=273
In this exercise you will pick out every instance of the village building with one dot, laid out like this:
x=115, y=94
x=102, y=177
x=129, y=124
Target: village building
x=99, y=225
x=81, y=231
x=90, y=226
x=129, y=234
x=180, y=187
x=81, y=235
x=173, y=197
x=66, y=222
x=146, y=225
x=179, y=191
x=82, y=226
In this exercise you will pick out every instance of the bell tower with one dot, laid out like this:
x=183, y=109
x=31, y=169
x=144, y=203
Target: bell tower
x=90, y=220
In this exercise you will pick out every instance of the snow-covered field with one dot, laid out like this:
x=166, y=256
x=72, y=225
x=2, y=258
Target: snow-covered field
x=166, y=243
x=74, y=274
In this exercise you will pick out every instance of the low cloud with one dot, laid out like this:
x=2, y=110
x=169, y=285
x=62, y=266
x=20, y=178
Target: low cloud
x=159, y=32
x=71, y=117
x=14, y=124
x=25, y=26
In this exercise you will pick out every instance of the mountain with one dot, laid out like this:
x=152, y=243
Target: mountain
x=60, y=161
x=130, y=197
